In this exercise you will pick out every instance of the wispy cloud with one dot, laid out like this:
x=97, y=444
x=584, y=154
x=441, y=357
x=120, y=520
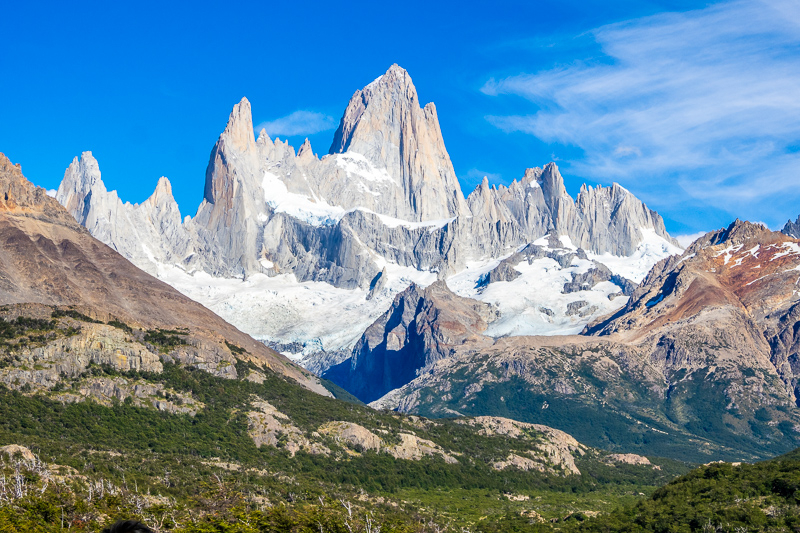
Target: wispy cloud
x=686, y=240
x=298, y=123
x=704, y=102
x=476, y=175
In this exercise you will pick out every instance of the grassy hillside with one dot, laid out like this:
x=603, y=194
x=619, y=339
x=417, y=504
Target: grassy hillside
x=174, y=462
x=720, y=497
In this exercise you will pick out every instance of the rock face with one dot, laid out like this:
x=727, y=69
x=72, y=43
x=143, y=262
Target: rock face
x=15, y=450
x=227, y=228
x=422, y=327
x=268, y=426
x=352, y=435
x=49, y=259
x=792, y=229
x=145, y=234
x=384, y=123
x=705, y=350
x=556, y=447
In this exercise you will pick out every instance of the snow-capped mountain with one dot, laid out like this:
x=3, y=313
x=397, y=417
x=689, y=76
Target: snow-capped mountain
x=294, y=248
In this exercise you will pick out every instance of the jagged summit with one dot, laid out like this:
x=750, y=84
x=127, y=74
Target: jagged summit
x=239, y=130
x=385, y=123
x=148, y=234
x=739, y=232
x=395, y=86
x=238, y=140
x=792, y=228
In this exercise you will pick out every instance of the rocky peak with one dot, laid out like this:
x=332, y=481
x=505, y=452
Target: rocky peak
x=552, y=184
x=80, y=179
x=395, y=86
x=20, y=196
x=385, y=123
x=423, y=326
x=792, y=229
x=162, y=194
x=233, y=196
x=741, y=232
x=9, y=173
x=305, y=150
x=531, y=175
x=237, y=141
x=239, y=130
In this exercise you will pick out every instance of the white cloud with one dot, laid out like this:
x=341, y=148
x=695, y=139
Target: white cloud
x=627, y=150
x=704, y=101
x=686, y=240
x=51, y=192
x=298, y=123
x=475, y=175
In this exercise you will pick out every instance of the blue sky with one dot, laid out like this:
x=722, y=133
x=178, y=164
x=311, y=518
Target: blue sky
x=693, y=106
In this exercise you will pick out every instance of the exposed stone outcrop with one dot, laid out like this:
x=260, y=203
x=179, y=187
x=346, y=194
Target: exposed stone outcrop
x=630, y=459
x=352, y=435
x=555, y=450
x=268, y=426
x=68, y=357
x=105, y=390
x=15, y=450
x=421, y=327
x=414, y=448
x=502, y=272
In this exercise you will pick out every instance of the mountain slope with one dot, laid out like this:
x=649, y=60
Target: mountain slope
x=701, y=360
x=50, y=259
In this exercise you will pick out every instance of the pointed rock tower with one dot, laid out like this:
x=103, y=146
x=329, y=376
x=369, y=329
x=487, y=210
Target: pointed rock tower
x=385, y=123
x=227, y=222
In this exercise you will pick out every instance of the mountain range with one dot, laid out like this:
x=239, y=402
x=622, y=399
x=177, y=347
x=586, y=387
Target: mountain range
x=370, y=267
x=338, y=237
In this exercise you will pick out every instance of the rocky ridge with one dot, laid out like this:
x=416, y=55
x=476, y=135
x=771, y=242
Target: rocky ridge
x=423, y=325
x=703, y=353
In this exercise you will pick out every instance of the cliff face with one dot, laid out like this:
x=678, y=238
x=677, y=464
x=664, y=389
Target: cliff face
x=146, y=234
x=385, y=123
x=423, y=326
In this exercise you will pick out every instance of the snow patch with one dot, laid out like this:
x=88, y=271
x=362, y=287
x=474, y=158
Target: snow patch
x=650, y=251
x=314, y=314
x=789, y=248
x=355, y=163
x=566, y=242
x=299, y=206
